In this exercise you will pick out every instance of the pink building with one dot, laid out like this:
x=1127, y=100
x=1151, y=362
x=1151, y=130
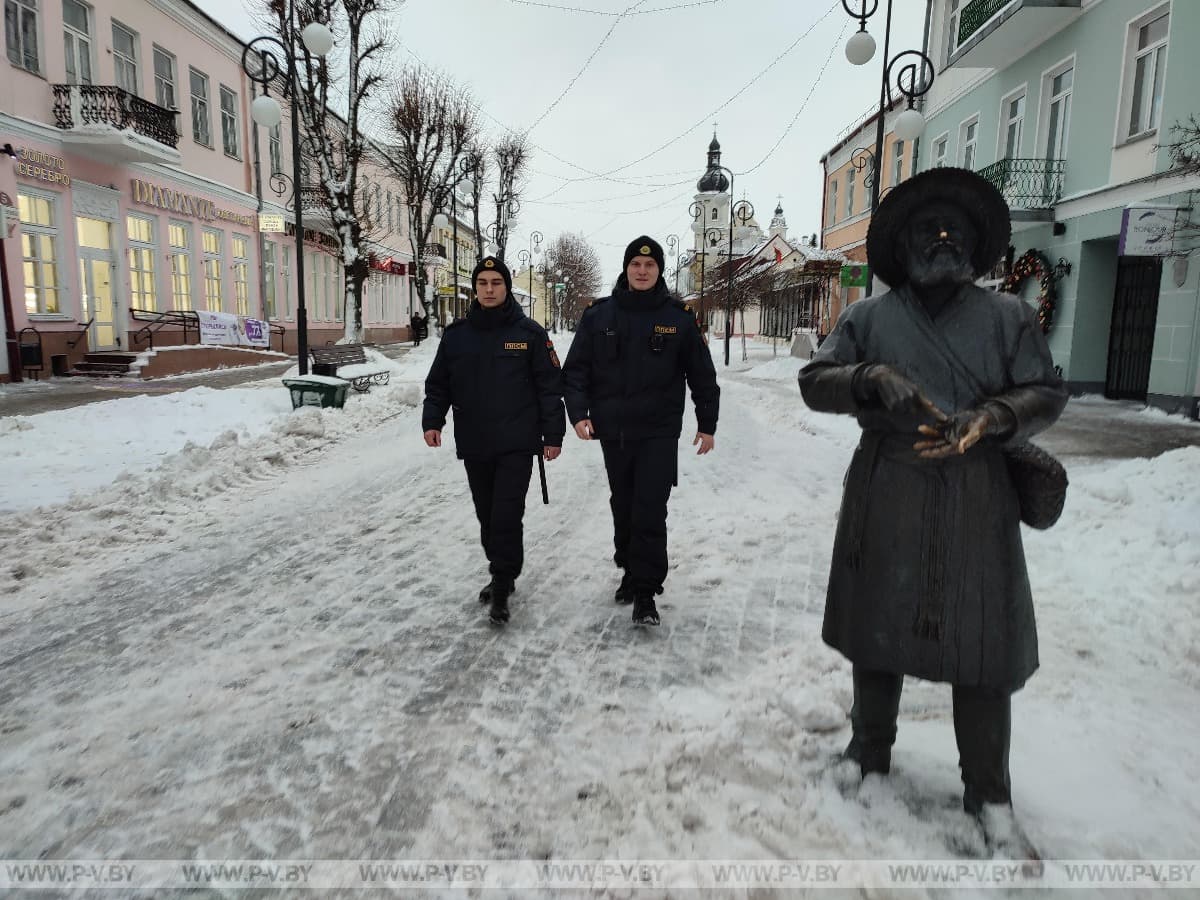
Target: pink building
x=139, y=182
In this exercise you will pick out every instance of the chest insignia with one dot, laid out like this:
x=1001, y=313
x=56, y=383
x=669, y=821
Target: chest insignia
x=516, y=345
x=665, y=329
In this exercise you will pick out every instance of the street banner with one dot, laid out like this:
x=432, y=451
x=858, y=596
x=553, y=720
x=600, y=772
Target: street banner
x=256, y=332
x=228, y=330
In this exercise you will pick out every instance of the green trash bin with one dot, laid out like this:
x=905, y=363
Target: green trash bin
x=317, y=390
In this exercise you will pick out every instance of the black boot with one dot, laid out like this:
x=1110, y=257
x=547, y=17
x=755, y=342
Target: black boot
x=873, y=718
x=644, y=610
x=498, y=611
x=624, y=592
x=485, y=595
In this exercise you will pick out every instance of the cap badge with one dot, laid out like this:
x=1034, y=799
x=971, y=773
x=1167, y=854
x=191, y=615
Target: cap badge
x=645, y=251
x=489, y=264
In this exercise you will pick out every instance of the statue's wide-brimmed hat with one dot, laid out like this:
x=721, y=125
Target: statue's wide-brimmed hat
x=971, y=192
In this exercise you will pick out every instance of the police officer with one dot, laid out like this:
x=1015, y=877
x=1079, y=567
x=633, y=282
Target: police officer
x=624, y=386
x=499, y=372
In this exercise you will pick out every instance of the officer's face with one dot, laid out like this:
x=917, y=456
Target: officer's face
x=937, y=247
x=490, y=289
x=642, y=273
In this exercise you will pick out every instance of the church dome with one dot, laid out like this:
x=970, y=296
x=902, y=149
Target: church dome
x=715, y=145
x=713, y=181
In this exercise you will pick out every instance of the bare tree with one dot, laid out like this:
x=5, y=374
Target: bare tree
x=478, y=168
x=512, y=159
x=334, y=145
x=434, y=124
x=572, y=262
x=751, y=281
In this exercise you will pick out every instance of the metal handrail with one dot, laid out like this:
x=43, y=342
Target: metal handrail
x=106, y=104
x=1027, y=183
x=157, y=320
x=82, y=331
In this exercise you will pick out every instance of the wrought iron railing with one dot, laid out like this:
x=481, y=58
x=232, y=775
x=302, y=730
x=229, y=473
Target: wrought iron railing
x=83, y=105
x=974, y=15
x=157, y=320
x=1027, y=183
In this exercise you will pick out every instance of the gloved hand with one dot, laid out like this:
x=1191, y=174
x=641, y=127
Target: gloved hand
x=883, y=385
x=960, y=432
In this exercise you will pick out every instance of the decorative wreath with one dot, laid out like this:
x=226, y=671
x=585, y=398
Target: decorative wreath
x=1034, y=265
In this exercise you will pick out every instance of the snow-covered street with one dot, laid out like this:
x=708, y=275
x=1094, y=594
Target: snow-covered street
x=258, y=638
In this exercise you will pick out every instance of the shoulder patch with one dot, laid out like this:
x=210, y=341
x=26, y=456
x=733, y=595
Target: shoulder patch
x=553, y=356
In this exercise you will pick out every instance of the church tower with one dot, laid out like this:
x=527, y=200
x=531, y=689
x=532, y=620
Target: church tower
x=712, y=197
x=779, y=223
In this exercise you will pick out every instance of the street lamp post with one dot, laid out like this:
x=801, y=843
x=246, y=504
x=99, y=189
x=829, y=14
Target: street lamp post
x=265, y=111
x=526, y=259
x=913, y=80
x=742, y=211
x=672, y=248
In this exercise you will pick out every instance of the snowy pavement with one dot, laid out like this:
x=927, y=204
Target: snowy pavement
x=258, y=637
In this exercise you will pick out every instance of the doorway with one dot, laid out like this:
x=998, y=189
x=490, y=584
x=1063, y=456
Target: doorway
x=1131, y=335
x=97, y=292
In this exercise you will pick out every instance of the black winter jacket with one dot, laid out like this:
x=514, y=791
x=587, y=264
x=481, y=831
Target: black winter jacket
x=627, y=366
x=499, y=372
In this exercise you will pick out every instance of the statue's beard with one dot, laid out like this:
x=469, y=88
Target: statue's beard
x=939, y=264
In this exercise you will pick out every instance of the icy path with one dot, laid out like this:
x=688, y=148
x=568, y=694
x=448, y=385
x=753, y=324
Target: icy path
x=186, y=672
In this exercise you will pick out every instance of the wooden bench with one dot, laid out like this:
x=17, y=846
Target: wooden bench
x=327, y=360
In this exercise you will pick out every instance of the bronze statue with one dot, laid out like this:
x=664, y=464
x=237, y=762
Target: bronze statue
x=928, y=574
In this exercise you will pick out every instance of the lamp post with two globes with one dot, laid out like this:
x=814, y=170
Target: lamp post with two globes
x=265, y=110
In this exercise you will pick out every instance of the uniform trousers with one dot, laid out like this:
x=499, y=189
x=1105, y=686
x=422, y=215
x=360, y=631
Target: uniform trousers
x=640, y=476
x=498, y=487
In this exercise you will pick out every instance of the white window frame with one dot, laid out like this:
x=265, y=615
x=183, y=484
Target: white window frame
x=241, y=273
x=126, y=73
x=211, y=268
x=968, y=144
x=53, y=232
x=1043, y=126
x=181, y=279
x=897, y=161
x=1021, y=93
x=1128, y=81
x=942, y=141
x=148, y=252
x=851, y=179
x=164, y=84
x=21, y=54
x=230, y=140
x=270, y=286
x=833, y=201
x=201, y=116
x=953, y=12
x=82, y=45
x=275, y=148
x=285, y=272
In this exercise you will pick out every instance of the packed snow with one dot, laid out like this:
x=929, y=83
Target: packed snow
x=230, y=629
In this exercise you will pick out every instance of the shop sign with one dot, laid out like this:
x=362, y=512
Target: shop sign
x=1148, y=231
x=42, y=166
x=270, y=222
x=155, y=195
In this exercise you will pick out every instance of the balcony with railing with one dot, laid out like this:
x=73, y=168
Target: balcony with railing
x=123, y=125
x=993, y=34
x=1031, y=187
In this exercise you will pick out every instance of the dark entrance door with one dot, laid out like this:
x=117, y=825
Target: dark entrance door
x=1131, y=337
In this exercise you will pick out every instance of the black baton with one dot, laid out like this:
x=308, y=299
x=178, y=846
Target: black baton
x=542, y=472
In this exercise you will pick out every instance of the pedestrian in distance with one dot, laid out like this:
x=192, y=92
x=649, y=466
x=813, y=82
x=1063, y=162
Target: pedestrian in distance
x=624, y=386
x=498, y=371
x=415, y=324
x=928, y=575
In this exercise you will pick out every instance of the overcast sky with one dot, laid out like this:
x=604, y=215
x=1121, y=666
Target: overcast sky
x=641, y=112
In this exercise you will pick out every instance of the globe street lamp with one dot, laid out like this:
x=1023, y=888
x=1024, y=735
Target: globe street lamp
x=526, y=259
x=913, y=80
x=742, y=211
x=265, y=110
x=672, y=249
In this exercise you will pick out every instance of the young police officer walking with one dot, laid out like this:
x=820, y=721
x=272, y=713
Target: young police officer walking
x=499, y=372
x=624, y=386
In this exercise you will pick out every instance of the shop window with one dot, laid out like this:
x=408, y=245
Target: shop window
x=212, y=270
x=181, y=265
x=241, y=274
x=39, y=252
x=142, y=252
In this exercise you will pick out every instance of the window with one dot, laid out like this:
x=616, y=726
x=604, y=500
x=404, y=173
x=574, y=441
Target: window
x=241, y=274
x=1148, y=69
x=77, y=42
x=212, y=270
x=897, y=162
x=125, y=57
x=968, y=140
x=337, y=289
x=285, y=270
x=389, y=210
x=20, y=32
x=851, y=176
x=940, y=148
x=164, y=79
x=39, y=252
x=181, y=265
x=1013, y=125
x=1058, y=113
x=952, y=28
x=275, y=149
x=833, y=201
x=140, y=232
x=714, y=215
x=229, y=132
x=269, y=309
x=200, y=129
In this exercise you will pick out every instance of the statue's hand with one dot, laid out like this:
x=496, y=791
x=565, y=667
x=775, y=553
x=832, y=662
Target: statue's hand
x=959, y=433
x=894, y=392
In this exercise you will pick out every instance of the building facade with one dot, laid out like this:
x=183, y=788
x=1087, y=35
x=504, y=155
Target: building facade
x=1069, y=108
x=139, y=183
